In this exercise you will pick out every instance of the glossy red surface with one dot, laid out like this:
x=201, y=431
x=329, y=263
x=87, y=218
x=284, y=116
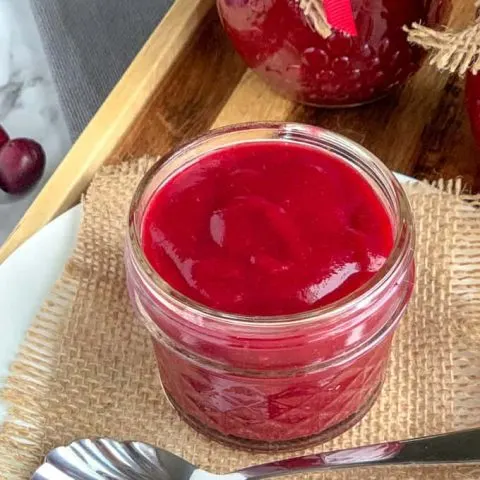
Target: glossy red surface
x=267, y=229
x=276, y=40
x=473, y=104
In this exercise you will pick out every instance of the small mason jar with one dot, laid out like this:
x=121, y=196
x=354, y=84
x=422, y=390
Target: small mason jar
x=278, y=382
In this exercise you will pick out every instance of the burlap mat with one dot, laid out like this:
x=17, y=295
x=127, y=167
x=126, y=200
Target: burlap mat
x=86, y=368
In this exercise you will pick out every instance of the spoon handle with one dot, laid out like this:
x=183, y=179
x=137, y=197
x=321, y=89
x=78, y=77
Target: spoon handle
x=458, y=447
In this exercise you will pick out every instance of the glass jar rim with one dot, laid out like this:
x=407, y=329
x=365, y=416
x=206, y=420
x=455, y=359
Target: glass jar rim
x=401, y=253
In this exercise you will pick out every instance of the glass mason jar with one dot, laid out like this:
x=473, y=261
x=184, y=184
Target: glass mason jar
x=274, y=382
x=277, y=41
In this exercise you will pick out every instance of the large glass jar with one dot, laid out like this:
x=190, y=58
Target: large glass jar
x=276, y=40
x=280, y=381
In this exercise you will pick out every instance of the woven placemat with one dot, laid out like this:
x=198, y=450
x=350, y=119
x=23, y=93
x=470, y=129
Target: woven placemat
x=86, y=368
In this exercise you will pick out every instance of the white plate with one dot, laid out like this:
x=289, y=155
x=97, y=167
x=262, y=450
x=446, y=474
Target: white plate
x=27, y=276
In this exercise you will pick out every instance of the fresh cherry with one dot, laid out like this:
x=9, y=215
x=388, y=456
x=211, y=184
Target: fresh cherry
x=4, y=138
x=22, y=162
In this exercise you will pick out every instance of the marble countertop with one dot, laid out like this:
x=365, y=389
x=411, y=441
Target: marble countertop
x=29, y=106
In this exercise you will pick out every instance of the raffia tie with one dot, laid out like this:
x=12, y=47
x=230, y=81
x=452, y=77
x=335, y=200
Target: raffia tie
x=315, y=14
x=452, y=51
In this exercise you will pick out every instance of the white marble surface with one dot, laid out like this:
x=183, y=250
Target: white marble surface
x=29, y=106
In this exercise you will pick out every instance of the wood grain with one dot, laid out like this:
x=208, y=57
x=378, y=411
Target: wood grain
x=187, y=101
x=188, y=79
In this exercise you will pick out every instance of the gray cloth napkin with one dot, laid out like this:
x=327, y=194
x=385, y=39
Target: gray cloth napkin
x=89, y=44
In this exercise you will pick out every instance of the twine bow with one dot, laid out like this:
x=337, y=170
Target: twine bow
x=455, y=52
x=326, y=15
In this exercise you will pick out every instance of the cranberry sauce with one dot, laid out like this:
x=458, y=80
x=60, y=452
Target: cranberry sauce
x=267, y=229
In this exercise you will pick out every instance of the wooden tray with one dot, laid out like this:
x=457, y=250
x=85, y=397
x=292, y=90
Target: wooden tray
x=187, y=79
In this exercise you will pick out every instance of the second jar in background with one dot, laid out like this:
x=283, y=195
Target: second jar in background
x=276, y=40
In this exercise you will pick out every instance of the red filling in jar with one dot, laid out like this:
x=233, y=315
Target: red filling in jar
x=271, y=264
x=277, y=41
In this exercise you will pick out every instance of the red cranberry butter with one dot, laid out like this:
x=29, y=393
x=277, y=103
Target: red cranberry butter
x=355, y=64
x=271, y=264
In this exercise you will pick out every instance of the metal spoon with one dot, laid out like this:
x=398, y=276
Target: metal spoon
x=105, y=459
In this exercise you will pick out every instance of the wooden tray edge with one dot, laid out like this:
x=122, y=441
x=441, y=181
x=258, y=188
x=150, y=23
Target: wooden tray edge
x=113, y=120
